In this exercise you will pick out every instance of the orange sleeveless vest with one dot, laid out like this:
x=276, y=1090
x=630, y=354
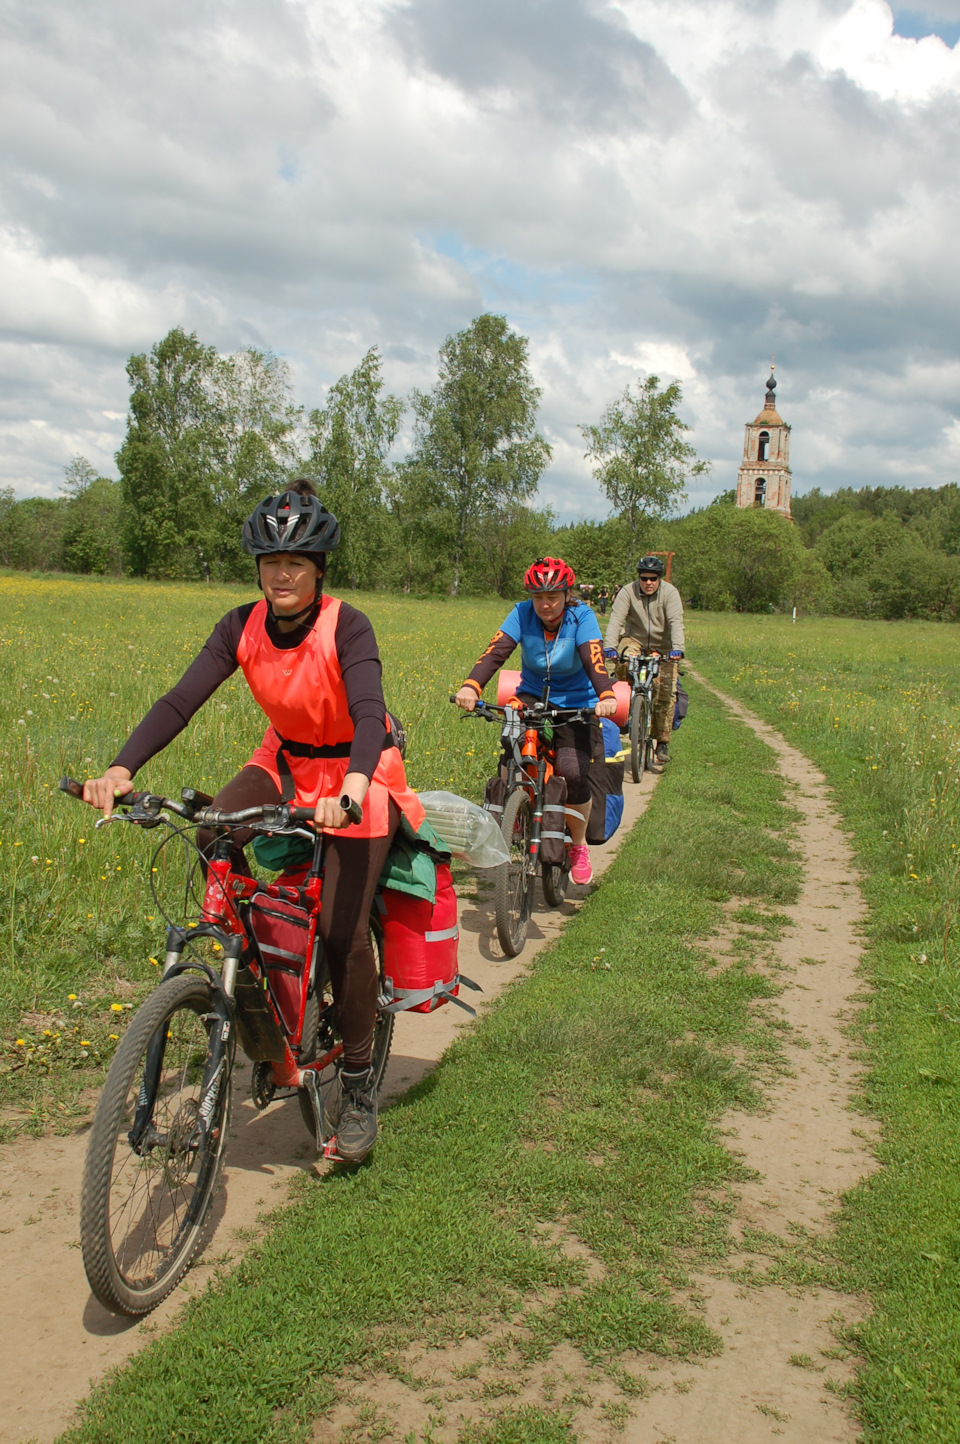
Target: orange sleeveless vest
x=302, y=693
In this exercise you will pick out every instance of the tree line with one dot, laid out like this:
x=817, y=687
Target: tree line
x=208, y=436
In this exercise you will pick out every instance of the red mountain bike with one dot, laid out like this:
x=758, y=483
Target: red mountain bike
x=158, y=1140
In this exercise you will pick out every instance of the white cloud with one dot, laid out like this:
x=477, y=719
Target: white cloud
x=640, y=187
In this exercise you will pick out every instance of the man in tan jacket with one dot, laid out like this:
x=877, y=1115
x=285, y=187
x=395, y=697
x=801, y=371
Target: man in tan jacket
x=648, y=617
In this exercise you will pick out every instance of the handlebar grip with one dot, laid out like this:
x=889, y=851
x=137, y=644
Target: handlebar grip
x=302, y=814
x=353, y=809
x=71, y=787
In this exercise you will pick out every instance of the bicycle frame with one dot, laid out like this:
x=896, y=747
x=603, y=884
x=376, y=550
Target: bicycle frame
x=530, y=767
x=221, y=919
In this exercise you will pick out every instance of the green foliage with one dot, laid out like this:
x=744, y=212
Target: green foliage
x=207, y=438
x=882, y=568
x=255, y=451
x=92, y=531
x=168, y=458
x=642, y=460
x=350, y=439
x=477, y=452
x=598, y=551
x=31, y=532
x=743, y=558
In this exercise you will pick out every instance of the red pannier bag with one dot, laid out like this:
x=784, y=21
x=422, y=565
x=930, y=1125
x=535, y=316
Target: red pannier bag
x=281, y=930
x=420, y=949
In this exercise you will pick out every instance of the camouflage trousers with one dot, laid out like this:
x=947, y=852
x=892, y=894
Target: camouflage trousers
x=664, y=691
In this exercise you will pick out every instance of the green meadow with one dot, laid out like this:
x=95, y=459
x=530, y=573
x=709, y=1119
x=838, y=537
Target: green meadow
x=616, y=1048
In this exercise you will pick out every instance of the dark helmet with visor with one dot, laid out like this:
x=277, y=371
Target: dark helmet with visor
x=291, y=522
x=650, y=564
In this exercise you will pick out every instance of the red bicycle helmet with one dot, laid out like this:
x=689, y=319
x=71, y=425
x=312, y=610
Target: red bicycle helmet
x=549, y=574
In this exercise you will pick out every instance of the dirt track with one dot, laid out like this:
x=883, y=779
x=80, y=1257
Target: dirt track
x=56, y=1339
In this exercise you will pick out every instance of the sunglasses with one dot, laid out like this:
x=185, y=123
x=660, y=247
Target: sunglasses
x=645, y=578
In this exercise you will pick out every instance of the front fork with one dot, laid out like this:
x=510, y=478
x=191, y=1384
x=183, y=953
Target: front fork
x=221, y=1045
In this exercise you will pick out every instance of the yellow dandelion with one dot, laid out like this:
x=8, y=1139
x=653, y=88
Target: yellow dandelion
x=116, y=1007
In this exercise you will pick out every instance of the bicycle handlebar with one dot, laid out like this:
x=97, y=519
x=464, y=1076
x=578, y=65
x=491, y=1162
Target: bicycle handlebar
x=533, y=711
x=272, y=816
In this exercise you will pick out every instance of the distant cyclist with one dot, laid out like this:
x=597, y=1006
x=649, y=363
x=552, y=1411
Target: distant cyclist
x=647, y=616
x=603, y=597
x=560, y=648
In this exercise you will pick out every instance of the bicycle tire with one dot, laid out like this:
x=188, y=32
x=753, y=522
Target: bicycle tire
x=638, y=737
x=513, y=882
x=115, y=1238
x=382, y=1037
x=555, y=881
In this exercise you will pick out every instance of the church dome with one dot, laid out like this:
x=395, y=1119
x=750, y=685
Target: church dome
x=769, y=416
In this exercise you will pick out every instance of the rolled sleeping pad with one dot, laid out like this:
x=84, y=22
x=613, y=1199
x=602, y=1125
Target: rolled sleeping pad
x=621, y=690
x=507, y=684
x=508, y=681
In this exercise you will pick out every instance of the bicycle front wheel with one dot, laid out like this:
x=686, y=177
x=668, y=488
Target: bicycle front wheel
x=152, y=1168
x=638, y=737
x=514, y=880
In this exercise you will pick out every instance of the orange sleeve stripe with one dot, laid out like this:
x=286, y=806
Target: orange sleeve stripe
x=493, y=642
x=608, y=693
x=471, y=683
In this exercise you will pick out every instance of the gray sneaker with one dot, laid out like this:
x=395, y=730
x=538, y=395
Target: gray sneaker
x=351, y=1113
x=663, y=754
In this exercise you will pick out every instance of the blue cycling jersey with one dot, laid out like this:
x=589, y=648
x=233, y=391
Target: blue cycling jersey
x=555, y=659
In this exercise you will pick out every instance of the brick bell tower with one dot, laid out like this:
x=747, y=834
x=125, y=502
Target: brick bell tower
x=764, y=476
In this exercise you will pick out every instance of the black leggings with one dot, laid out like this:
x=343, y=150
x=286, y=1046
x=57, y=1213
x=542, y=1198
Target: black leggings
x=574, y=743
x=352, y=870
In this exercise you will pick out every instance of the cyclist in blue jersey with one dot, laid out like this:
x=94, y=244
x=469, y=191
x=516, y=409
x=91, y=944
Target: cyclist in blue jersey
x=561, y=649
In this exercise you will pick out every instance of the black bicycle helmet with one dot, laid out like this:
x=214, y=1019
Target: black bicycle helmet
x=291, y=522
x=651, y=564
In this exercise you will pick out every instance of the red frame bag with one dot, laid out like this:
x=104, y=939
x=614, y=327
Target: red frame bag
x=282, y=931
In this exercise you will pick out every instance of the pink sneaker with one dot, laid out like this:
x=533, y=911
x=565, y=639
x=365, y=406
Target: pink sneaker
x=580, y=869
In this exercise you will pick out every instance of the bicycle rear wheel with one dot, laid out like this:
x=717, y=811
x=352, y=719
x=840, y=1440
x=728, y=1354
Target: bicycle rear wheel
x=513, y=895
x=151, y=1172
x=555, y=881
x=638, y=737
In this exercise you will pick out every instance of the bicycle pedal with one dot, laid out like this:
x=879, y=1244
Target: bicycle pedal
x=330, y=1151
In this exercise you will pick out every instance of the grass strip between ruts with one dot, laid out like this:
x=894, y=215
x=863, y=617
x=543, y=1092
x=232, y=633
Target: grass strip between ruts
x=877, y=707
x=587, y=1097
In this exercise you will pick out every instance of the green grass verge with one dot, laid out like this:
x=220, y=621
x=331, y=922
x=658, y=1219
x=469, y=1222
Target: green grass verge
x=877, y=707
x=588, y=1098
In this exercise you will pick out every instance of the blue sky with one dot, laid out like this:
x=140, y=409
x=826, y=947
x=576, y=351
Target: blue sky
x=645, y=186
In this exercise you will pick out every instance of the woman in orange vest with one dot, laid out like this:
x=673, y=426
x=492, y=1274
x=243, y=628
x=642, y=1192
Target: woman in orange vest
x=311, y=661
